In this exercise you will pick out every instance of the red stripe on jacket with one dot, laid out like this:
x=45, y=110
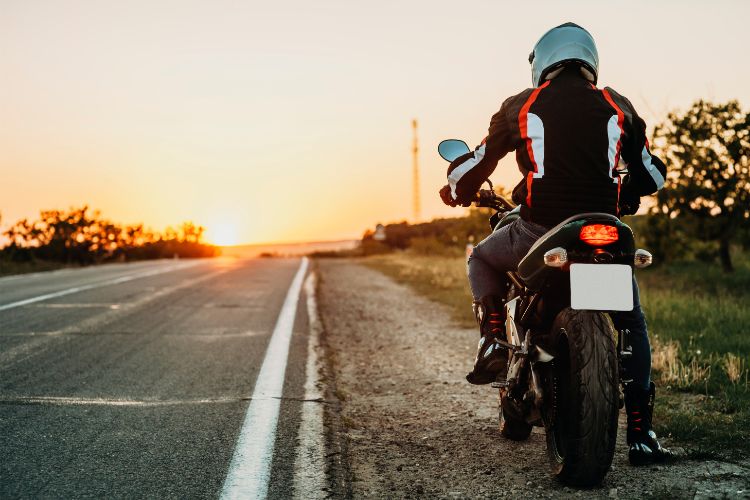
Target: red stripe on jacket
x=523, y=122
x=620, y=121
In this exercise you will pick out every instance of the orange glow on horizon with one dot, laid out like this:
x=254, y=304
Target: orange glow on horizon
x=291, y=121
x=223, y=233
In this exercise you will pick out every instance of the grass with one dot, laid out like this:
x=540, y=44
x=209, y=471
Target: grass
x=699, y=323
x=440, y=278
x=699, y=319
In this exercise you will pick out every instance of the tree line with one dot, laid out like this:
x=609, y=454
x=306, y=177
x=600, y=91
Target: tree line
x=704, y=208
x=82, y=236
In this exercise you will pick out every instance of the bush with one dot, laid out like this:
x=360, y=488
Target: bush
x=440, y=235
x=80, y=236
x=430, y=245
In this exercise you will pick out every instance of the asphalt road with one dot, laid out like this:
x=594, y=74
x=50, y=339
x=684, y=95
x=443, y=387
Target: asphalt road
x=133, y=380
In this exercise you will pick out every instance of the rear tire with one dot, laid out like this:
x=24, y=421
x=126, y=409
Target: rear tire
x=583, y=394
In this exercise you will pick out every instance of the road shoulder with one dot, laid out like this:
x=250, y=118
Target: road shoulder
x=411, y=425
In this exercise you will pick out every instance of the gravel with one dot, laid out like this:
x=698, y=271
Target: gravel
x=413, y=426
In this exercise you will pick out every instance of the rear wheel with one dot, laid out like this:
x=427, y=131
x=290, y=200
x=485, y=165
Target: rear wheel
x=582, y=403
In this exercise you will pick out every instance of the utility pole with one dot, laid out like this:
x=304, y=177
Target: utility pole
x=415, y=171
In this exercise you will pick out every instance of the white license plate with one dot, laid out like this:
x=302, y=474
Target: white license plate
x=601, y=287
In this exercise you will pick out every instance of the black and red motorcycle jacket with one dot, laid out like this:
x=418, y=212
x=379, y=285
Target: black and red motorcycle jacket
x=569, y=138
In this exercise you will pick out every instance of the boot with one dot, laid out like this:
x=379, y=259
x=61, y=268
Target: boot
x=492, y=357
x=644, y=447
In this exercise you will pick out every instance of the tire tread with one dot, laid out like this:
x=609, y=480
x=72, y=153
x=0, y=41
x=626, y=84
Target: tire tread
x=592, y=398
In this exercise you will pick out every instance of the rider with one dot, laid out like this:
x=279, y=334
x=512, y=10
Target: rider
x=569, y=137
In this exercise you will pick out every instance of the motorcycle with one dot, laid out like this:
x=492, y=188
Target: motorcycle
x=565, y=366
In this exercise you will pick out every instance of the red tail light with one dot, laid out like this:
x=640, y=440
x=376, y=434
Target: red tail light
x=599, y=234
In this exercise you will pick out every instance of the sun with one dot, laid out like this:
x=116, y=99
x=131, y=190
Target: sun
x=223, y=234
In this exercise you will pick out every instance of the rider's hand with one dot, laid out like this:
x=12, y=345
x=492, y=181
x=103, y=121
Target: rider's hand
x=629, y=200
x=629, y=207
x=629, y=204
x=445, y=192
x=445, y=195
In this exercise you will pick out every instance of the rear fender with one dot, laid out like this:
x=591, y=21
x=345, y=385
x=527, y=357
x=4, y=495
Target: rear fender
x=535, y=273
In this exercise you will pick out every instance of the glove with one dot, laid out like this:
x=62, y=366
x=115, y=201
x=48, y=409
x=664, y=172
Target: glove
x=445, y=195
x=629, y=202
x=630, y=207
x=445, y=192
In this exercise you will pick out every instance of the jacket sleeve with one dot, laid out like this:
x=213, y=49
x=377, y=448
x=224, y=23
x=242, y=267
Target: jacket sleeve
x=646, y=171
x=467, y=172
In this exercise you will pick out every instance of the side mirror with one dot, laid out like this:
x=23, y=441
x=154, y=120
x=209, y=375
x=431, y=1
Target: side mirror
x=450, y=149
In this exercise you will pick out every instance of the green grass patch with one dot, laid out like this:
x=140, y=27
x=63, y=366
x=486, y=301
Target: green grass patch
x=700, y=306
x=708, y=426
x=699, y=321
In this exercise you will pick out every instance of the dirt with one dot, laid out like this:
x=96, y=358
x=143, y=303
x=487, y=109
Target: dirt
x=410, y=425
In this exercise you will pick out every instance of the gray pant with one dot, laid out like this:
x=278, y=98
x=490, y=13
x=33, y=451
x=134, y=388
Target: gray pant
x=499, y=252
x=502, y=250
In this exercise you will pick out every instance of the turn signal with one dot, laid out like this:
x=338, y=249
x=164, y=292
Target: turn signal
x=643, y=258
x=599, y=234
x=557, y=257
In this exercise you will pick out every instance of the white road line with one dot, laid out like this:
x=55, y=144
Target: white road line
x=92, y=305
x=250, y=468
x=91, y=286
x=310, y=463
x=76, y=401
x=68, y=270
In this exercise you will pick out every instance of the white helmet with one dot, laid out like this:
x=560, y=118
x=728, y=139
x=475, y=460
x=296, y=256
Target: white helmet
x=561, y=45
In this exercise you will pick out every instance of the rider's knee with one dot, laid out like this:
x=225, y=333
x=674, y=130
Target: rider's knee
x=474, y=255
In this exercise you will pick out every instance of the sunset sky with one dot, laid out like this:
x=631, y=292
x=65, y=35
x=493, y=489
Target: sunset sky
x=290, y=120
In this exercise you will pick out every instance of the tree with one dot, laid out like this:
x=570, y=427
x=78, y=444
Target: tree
x=191, y=233
x=79, y=236
x=707, y=152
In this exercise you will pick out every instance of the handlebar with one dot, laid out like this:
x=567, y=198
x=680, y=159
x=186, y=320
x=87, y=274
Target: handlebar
x=490, y=199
